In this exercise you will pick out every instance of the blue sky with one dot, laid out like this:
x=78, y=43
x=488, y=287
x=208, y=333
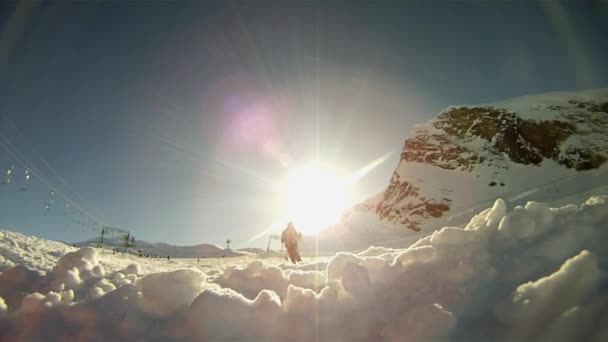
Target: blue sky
x=129, y=109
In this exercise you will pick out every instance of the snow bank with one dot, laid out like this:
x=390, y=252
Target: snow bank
x=506, y=269
x=29, y=251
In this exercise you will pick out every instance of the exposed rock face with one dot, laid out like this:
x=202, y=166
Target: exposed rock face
x=422, y=208
x=523, y=141
x=572, y=132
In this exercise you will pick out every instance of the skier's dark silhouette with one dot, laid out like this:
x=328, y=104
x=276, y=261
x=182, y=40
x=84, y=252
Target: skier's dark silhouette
x=290, y=239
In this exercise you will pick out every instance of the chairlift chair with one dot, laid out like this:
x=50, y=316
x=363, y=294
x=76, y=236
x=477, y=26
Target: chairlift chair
x=26, y=180
x=8, y=176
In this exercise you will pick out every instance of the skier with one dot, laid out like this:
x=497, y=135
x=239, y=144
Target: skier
x=290, y=239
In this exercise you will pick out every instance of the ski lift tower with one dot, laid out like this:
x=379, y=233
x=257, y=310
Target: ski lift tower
x=270, y=238
x=112, y=231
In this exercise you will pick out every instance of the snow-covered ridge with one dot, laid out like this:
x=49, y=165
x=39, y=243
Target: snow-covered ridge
x=485, y=281
x=469, y=154
x=543, y=106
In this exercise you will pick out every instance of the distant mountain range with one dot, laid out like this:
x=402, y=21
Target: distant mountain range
x=163, y=249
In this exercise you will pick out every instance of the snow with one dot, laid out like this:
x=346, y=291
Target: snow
x=538, y=107
x=253, y=278
x=486, y=280
x=166, y=292
x=575, y=278
x=3, y=307
x=470, y=194
x=163, y=249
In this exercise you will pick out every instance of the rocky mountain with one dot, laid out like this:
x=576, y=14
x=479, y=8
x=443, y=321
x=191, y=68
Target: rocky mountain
x=470, y=155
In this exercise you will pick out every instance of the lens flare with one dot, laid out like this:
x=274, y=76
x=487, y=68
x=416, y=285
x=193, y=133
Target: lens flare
x=315, y=197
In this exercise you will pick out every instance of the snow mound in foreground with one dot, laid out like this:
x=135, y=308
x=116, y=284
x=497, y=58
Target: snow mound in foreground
x=525, y=273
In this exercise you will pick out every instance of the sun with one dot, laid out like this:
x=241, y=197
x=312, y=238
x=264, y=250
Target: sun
x=315, y=197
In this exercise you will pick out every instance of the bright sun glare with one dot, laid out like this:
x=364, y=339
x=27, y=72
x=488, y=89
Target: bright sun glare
x=315, y=197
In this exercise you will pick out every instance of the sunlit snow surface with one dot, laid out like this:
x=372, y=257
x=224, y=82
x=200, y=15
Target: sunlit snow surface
x=523, y=273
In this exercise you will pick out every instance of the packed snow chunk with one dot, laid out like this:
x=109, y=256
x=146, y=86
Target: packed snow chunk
x=255, y=267
x=376, y=251
x=166, y=292
x=336, y=265
x=518, y=224
x=253, y=278
x=425, y=241
x=595, y=208
x=5, y=264
x=35, y=302
x=314, y=280
x=222, y=314
x=67, y=297
x=573, y=230
x=58, y=254
x=3, y=307
x=415, y=254
x=300, y=299
x=543, y=299
x=120, y=278
x=594, y=200
x=131, y=278
x=453, y=236
x=17, y=282
x=98, y=271
x=96, y=292
x=71, y=279
x=489, y=218
x=132, y=269
x=379, y=268
x=541, y=213
x=422, y=323
x=356, y=281
x=58, y=287
x=580, y=322
x=310, y=316
x=569, y=208
x=105, y=285
x=82, y=259
x=305, y=266
x=54, y=297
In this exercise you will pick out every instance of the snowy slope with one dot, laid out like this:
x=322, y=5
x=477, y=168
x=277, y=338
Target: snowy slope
x=42, y=255
x=470, y=155
x=488, y=280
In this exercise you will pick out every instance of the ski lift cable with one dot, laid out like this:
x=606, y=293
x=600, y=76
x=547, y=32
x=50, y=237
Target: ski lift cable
x=7, y=146
x=488, y=203
x=514, y=193
x=70, y=190
x=33, y=171
x=10, y=148
x=41, y=158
